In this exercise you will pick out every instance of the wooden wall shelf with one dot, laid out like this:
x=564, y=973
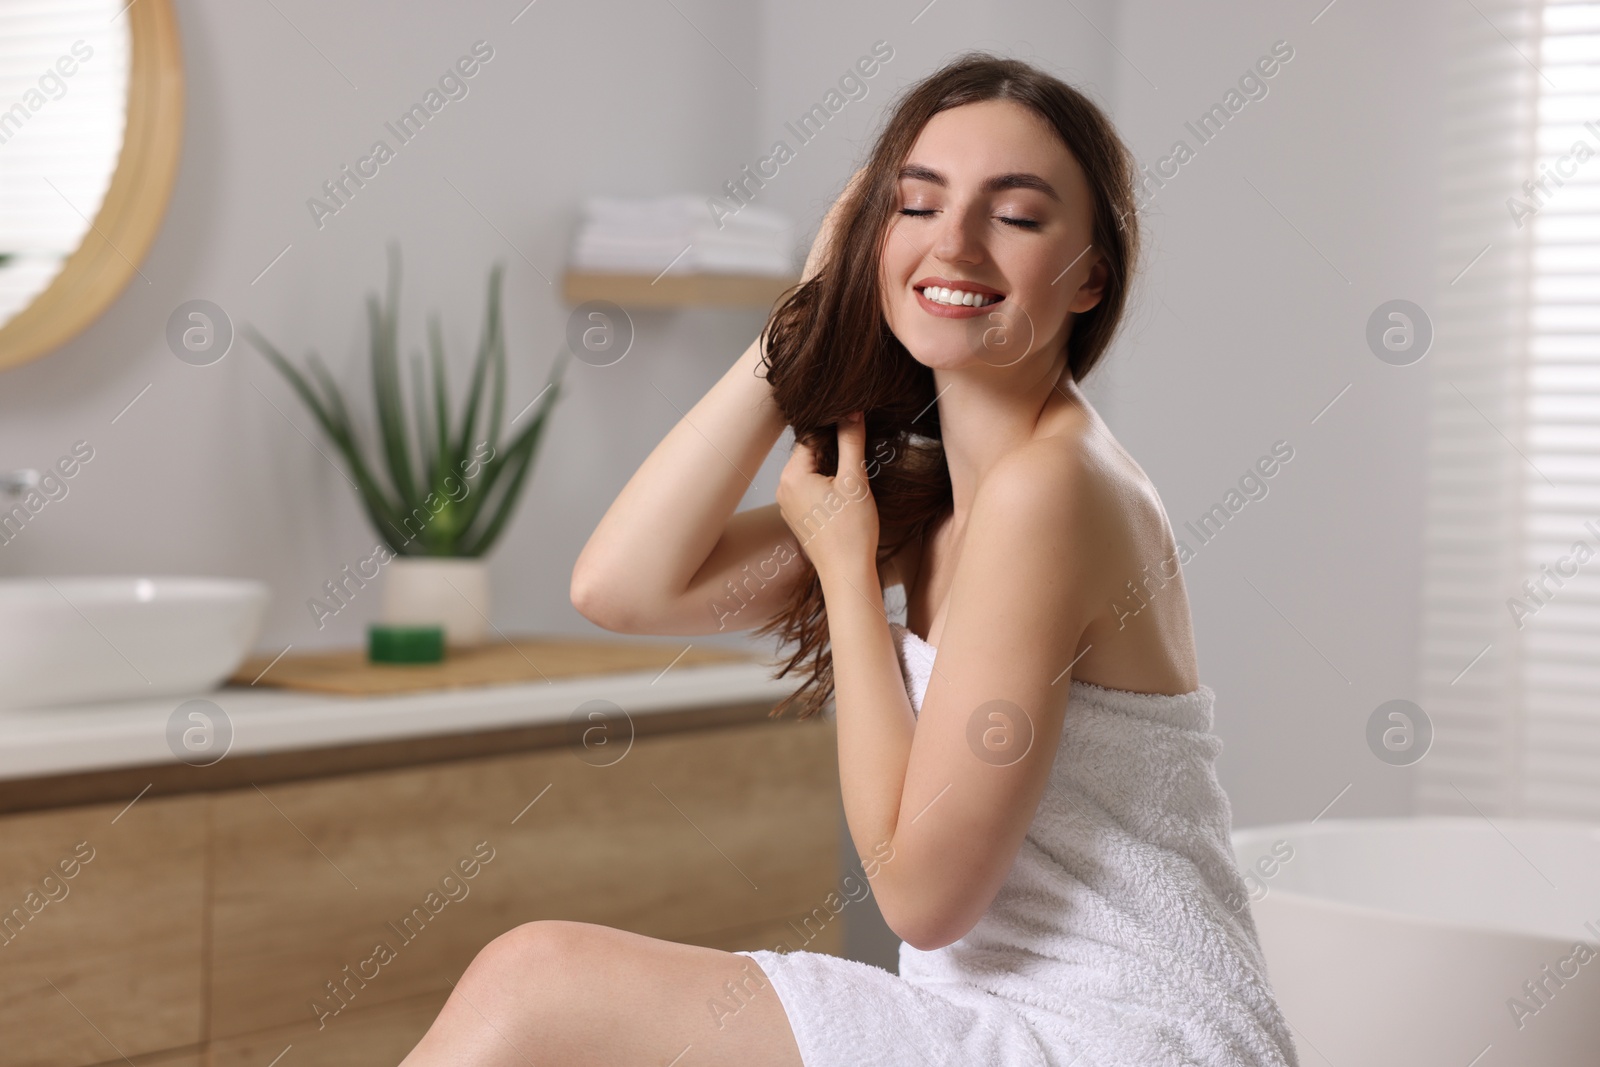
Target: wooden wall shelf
x=674, y=290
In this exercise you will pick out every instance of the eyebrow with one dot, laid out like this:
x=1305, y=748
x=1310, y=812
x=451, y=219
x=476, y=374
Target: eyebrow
x=998, y=183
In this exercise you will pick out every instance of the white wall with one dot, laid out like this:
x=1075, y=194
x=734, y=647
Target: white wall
x=806, y=48
x=1244, y=331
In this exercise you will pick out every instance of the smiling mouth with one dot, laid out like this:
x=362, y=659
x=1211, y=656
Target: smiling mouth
x=958, y=297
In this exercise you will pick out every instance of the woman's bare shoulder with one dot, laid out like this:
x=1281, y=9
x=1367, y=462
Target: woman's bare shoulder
x=1077, y=465
x=1067, y=464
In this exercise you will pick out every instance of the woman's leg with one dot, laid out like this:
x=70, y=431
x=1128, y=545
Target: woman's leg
x=563, y=994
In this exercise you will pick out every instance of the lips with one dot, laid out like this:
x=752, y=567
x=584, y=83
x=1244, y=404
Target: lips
x=940, y=304
x=964, y=286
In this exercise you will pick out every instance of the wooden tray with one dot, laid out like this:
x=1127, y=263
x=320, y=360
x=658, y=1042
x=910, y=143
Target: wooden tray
x=346, y=672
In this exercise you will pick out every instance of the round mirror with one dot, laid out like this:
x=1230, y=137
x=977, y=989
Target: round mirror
x=91, y=112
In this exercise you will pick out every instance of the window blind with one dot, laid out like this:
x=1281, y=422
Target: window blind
x=1511, y=612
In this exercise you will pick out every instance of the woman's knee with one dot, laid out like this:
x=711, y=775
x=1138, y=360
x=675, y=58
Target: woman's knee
x=541, y=950
x=506, y=998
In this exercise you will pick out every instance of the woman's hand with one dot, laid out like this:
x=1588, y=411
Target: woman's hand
x=834, y=519
x=830, y=224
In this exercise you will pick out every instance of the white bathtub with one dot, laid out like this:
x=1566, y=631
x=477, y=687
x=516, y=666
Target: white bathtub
x=1408, y=942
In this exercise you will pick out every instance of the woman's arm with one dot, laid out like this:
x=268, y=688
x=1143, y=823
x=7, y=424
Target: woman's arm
x=638, y=572
x=1021, y=597
x=662, y=556
x=943, y=800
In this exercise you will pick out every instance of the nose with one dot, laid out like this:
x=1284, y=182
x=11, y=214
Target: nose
x=960, y=235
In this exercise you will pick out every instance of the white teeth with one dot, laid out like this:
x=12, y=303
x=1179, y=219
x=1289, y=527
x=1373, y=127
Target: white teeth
x=957, y=297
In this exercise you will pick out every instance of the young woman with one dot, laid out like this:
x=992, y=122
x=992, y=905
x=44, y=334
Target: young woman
x=1035, y=801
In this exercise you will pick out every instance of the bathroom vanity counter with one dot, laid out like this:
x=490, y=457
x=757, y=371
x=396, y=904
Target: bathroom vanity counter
x=323, y=884
x=89, y=752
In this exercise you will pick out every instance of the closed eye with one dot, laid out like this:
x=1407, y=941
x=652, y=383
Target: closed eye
x=1023, y=224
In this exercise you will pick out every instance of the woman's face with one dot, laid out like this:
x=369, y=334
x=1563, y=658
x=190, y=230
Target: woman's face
x=991, y=204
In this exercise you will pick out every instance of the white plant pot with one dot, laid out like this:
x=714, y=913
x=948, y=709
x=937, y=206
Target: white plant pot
x=439, y=591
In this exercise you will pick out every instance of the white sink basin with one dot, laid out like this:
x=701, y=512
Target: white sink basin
x=66, y=640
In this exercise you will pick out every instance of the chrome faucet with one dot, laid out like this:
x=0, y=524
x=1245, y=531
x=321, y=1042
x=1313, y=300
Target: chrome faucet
x=15, y=483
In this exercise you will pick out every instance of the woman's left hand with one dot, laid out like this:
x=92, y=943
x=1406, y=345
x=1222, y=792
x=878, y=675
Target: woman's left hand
x=834, y=519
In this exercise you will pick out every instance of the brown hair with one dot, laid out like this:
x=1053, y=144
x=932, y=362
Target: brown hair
x=830, y=351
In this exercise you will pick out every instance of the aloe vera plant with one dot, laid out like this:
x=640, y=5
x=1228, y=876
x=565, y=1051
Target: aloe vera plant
x=447, y=487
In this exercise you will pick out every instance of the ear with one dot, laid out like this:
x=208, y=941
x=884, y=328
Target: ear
x=1093, y=287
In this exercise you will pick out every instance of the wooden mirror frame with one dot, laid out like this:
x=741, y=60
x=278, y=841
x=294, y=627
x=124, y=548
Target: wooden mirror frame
x=135, y=201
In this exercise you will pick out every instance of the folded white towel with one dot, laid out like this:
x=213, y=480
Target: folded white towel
x=679, y=255
x=645, y=235
x=678, y=209
x=1112, y=941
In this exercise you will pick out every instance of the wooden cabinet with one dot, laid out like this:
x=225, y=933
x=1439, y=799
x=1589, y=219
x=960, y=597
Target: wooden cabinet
x=333, y=913
x=378, y=1034
x=101, y=955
